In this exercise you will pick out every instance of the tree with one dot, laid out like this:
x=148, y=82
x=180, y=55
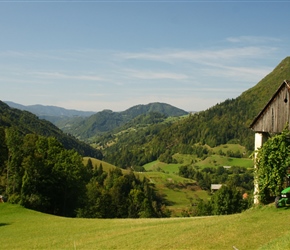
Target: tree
x=3, y=160
x=202, y=208
x=53, y=179
x=272, y=161
x=136, y=198
x=227, y=200
x=14, y=172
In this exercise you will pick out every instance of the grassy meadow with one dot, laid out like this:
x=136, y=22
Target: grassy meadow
x=258, y=228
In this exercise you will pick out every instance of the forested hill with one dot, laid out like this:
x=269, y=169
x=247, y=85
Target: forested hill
x=26, y=122
x=223, y=123
x=162, y=108
x=108, y=120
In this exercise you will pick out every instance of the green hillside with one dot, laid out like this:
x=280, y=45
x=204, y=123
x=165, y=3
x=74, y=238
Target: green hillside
x=258, y=228
x=26, y=122
x=261, y=93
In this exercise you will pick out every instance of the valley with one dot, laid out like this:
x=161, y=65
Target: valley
x=175, y=154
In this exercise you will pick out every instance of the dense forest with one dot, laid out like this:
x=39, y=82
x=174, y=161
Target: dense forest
x=39, y=173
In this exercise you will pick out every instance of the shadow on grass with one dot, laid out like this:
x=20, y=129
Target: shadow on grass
x=4, y=224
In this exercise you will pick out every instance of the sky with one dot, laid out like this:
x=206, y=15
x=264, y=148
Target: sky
x=96, y=55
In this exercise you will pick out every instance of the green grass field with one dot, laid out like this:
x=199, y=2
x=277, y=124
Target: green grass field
x=232, y=147
x=219, y=160
x=259, y=228
x=180, y=192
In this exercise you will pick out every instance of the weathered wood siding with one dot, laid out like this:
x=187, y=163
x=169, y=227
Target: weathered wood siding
x=275, y=115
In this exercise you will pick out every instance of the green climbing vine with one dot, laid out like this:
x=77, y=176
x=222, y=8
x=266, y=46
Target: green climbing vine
x=272, y=161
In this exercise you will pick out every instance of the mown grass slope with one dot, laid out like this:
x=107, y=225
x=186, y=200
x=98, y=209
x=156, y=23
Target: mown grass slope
x=258, y=228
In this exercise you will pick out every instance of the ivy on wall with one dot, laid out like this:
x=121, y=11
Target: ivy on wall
x=272, y=161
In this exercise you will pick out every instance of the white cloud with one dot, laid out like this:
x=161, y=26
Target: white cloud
x=57, y=75
x=246, y=74
x=189, y=79
x=252, y=39
x=200, y=56
x=147, y=74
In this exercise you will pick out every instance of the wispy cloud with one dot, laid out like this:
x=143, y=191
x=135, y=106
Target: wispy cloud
x=236, y=73
x=57, y=75
x=253, y=39
x=189, y=78
x=146, y=74
x=199, y=56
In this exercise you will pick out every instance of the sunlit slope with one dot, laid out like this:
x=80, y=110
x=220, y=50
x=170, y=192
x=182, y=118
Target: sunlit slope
x=259, y=228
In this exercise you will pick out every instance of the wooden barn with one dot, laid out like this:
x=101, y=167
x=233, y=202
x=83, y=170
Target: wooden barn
x=272, y=119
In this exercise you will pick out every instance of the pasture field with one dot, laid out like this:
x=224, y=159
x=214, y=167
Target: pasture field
x=106, y=166
x=258, y=228
x=157, y=166
x=229, y=147
x=178, y=191
x=219, y=160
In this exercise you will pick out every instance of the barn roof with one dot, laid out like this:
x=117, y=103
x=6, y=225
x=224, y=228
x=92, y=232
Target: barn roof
x=285, y=83
x=215, y=186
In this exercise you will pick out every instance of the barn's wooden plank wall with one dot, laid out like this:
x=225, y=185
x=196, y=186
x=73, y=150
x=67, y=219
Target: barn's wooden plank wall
x=274, y=117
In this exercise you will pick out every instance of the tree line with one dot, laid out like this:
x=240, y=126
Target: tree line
x=39, y=173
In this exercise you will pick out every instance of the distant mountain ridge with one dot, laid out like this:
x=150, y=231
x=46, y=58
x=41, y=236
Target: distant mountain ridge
x=85, y=124
x=50, y=113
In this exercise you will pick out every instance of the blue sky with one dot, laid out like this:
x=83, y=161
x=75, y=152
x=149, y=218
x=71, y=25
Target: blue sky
x=95, y=55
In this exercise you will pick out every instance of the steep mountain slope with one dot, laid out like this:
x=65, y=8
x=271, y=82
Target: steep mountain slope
x=27, y=122
x=261, y=93
x=108, y=120
x=223, y=123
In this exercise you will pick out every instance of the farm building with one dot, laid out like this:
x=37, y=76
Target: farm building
x=215, y=187
x=272, y=119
